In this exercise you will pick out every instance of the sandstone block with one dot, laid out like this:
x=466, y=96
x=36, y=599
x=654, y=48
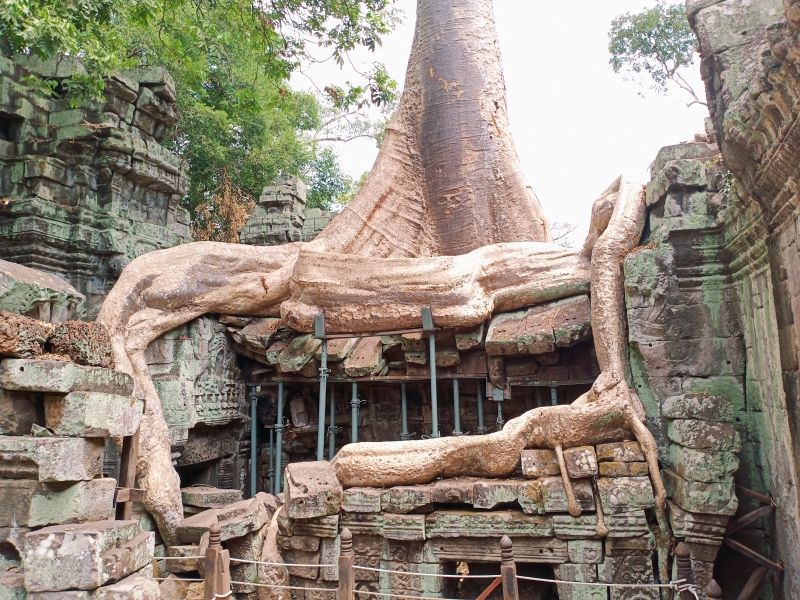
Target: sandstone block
x=526, y=549
x=84, y=556
x=697, y=526
x=404, y=499
x=363, y=524
x=539, y=463
x=632, y=523
x=361, y=500
x=206, y=496
x=627, y=451
x=329, y=551
x=235, y=520
x=457, y=490
x=567, y=527
x=366, y=358
x=490, y=493
x=700, y=406
x=92, y=414
x=84, y=342
x=50, y=458
x=623, y=469
x=622, y=546
x=585, y=573
x=554, y=497
x=37, y=294
x=31, y=503
x=625, y=493
x=138, y=586
x=581, y=461
x=300, y=557
x=702, y=465
x=406, y=577
x=58, y=377
x=247, y=547
x=312, y=490
x=17, y=412
x=635, y=567
x=12, y=586
x=186, y=565
x=460, y=523
x=530, y=497
x=22, y=337
x=306, y=543
x=324, y=527
x=404, y=527
x=698, y=497
x=588, y=552
x=704, y=435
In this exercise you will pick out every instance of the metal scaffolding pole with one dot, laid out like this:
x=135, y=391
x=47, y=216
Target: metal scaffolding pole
x=319, y=332
x=332, y=425
x=403, y=412
x=271, y=462
x=456, y=409
x=480, y=394
x=254, y=389
x=279, y=441
x=354, y=404
x=553, y=395
x=427, y=326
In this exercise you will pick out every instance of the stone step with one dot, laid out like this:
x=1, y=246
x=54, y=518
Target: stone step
x=50, y=458
x=56, y=377
x=85, y=556
x=92, y=414
x=30, y=503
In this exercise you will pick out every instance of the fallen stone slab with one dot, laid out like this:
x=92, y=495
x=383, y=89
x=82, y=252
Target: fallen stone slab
x=30, y=503
x=92, y=414
x=85, y=556
x=206, y=496
x=312, y=490
x=180, y=563
x=22, y=337
x=56, y=377
x=50, y=458
x=175, y=588
x=366, y=358
x=235, y=520
x=84, y=342
x=139, y=586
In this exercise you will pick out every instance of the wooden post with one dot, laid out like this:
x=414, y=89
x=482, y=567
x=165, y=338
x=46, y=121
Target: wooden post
x=508, y=570
x=713, y=591
x=127, y=474
x=346, y=562
x=217, y=567
x=684, y=568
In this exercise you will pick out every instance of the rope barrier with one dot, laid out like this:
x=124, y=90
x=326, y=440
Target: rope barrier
x=179, y=557
x=677, y=585
x=285, y=587
x=275, y=564
x=390, y=595
x=441, y=575
x=192, y=579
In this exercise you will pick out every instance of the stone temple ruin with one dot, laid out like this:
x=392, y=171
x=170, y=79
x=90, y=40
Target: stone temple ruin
x=631, y=420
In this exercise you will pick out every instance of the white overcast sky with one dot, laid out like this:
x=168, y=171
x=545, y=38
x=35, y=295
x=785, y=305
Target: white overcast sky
x=576, y=124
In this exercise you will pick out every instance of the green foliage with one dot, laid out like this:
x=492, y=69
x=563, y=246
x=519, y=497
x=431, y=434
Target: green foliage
x=327, y=184
x=657, y=43
x=240, y=126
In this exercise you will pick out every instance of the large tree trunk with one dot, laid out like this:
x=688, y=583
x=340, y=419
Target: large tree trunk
x=430, y=227
x=447, y=179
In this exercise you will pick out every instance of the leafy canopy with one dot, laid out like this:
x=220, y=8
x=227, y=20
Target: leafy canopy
x=657, y=43
x=240, y=125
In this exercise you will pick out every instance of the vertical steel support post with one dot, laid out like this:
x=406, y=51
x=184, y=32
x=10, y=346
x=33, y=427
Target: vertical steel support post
x=456, y=409
x=354, y=403
x=271, y=461
x=403, y=412
x=279, y=441
x=480, y=394
x=254, y=389
x=332, y=425
x=319, y=333
x=553, y=395
x=428, y=327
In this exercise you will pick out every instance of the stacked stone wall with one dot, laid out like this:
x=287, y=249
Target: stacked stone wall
x=85, y=190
